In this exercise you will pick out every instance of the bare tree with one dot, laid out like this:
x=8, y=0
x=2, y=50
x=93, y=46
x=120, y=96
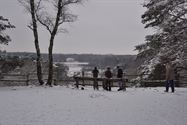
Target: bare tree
x=61, y=17
x=52, y=19
x=36, y=41
x=32, y=7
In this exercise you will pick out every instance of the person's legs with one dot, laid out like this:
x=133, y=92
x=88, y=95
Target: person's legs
x=105, y=85
x=94, y=84
x=97, y=86
x=120, y=85
x=172, y=85
x=123, y=86
x=109, y=85
x=167, y=86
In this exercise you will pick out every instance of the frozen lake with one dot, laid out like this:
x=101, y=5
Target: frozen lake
x=75, y=67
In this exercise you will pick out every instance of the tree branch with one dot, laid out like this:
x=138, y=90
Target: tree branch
x=67, y=2
x=43, y=23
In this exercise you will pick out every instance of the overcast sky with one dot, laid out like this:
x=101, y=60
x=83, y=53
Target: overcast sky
x=103, y=27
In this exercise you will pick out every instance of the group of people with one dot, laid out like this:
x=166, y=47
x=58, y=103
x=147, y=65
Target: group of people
x=108, y=75
x=170, y=76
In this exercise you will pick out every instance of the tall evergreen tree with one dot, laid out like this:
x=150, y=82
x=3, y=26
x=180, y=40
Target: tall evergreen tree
x=169, y=18
x=5, y=24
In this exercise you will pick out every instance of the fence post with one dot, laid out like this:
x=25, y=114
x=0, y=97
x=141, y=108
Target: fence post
x=177, y=80
x=83, y=84
x=55, y=78
x=124, y=82
x=27, y=79
x=141, y=80
x=76, y=82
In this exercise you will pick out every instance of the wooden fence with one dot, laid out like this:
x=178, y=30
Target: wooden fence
x=84, y=81
x=21, y=79
x=128, y=80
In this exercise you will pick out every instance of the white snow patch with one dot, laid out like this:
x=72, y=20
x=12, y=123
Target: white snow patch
x=66, y=106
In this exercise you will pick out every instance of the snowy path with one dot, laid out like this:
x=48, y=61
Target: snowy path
x=66, y=106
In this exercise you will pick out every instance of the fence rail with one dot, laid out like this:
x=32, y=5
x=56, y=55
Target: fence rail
x=20, y=79
x=31, y=78
x=82, y=80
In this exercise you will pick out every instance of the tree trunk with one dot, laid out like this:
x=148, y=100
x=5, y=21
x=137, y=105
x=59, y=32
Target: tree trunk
x=39, y=70
x=50, y=50
x=50, y=56
x=35, y=32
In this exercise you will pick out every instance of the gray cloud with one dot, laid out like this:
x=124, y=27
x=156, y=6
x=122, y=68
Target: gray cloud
x=103, y=27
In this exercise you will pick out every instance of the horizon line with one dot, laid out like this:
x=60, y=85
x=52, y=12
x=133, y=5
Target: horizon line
x=71, y=53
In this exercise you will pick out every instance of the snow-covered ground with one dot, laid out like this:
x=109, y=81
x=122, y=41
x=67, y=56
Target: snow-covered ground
x=67, y=106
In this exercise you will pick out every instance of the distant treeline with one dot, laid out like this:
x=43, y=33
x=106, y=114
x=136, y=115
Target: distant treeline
x=128, y=62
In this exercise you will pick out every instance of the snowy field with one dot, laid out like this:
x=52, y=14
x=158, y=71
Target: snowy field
x=67, y=106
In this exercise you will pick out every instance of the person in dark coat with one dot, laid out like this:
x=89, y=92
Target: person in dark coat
x=120, y=76
x=95, y=73
x=170, y=76
x=108, y=75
